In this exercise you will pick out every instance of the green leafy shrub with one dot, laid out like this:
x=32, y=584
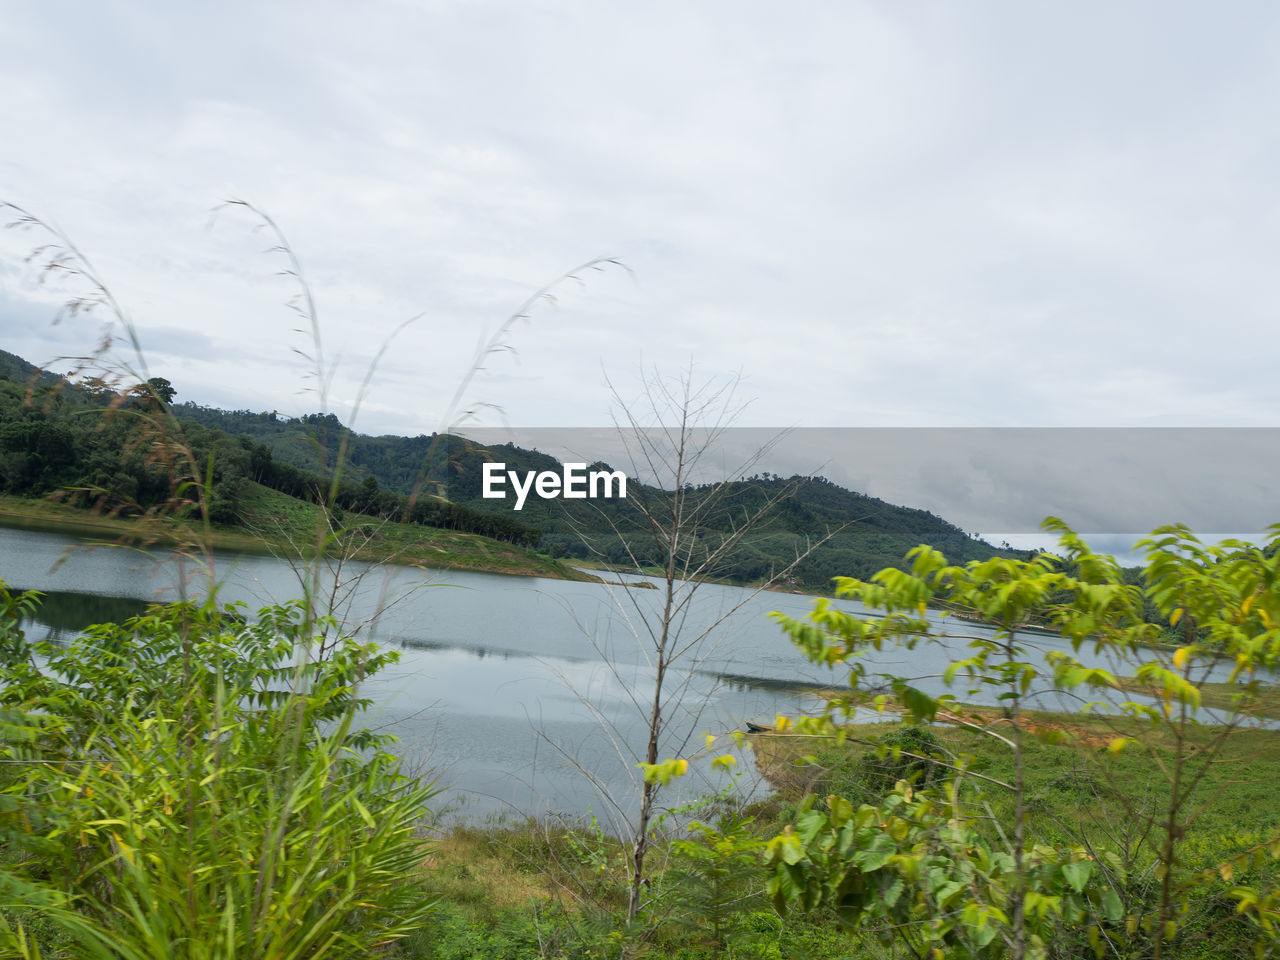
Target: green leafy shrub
x=959, y=870
x=904, y=754
x=716, y=877
x=190, y=785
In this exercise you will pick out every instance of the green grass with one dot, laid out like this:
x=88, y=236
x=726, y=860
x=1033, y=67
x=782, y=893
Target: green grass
x=1060, y=776
x=276, y=523
x=531, y=889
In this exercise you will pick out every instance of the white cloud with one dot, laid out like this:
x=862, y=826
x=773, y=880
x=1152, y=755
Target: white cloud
x=879, y=214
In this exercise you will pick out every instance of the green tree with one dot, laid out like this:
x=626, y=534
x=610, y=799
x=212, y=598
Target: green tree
x=161, y=389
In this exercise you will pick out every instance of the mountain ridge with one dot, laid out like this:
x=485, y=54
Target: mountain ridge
x=809, y=510
x=435, y=481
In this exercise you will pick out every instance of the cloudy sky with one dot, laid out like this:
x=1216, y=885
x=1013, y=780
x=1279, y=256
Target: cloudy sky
x=878, y=213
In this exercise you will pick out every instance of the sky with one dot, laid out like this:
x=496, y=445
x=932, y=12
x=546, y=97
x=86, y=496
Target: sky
x=876, y=214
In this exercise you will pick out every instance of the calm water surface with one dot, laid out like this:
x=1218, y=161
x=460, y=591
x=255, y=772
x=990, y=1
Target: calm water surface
x=510, y=690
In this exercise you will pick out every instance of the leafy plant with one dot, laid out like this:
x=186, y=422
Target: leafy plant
x=905, y=753
x=191, y=785
x=715, y=877
x=909, y=871
x=1227, y=599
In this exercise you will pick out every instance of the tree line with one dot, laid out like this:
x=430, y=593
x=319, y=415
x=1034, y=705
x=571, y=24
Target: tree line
x=87, y=444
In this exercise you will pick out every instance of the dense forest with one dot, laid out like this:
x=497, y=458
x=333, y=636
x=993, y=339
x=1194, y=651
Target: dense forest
x=105, y=451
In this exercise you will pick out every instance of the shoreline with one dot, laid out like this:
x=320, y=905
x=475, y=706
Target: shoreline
x=430, y=547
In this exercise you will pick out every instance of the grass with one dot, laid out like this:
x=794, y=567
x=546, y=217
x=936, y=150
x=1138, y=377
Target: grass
x=1261, y=701
x=1072, y=784
x=534, y=889
x=511, y=864
x=276, y=523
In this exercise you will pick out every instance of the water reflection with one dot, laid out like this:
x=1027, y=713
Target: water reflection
x=66, y=613
x=520, y=695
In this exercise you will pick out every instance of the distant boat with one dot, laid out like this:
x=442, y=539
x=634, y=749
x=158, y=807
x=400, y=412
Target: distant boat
x=758, y=728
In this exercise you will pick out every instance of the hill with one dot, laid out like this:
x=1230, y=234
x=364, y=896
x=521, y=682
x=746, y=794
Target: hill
x=124, y=464
x=13, y=367
x=112, y=463
x=869, y=533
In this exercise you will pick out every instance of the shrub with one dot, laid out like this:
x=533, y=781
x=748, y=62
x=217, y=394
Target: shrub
x=903, y=755
x=190, y=785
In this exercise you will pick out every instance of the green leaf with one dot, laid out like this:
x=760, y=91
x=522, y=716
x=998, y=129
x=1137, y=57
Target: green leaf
x=893, y=891
x=786, y=847
x=1112, y=908
x=918, y=703
x=983, y=933
x=875, y=854
x=1077, y=874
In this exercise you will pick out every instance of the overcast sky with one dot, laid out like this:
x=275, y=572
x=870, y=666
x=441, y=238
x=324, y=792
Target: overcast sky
x=879, y=213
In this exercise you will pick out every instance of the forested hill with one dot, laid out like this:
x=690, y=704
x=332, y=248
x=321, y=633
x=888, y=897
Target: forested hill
x=61, y=441
x=13, y=367
x=872, y=533
x=119, y=454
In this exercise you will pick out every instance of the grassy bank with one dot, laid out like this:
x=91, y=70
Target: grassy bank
x=1242, y=784
x=275, y=524
x=1262, y=700
x=535, y=889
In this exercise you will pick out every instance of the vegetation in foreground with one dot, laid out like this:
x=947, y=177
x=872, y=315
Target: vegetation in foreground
x=186, y=785
x=532, y=890
x=968, y=867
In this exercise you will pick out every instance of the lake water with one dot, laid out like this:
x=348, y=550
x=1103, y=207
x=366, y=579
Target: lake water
x=520, y=695
x=508, y=688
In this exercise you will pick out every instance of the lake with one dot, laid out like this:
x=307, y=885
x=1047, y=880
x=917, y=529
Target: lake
x=507, y=687
x=519, y=695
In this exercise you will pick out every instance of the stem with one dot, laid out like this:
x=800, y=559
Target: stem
x=655, y=711
x=1172, y=829
x=1019, y=825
